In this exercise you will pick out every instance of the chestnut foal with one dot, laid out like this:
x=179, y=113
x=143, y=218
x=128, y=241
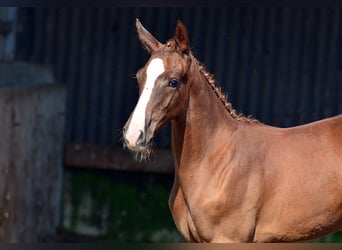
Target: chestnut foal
x=236, y=179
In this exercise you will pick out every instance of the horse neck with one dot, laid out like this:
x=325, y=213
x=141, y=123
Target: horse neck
x=205, y=118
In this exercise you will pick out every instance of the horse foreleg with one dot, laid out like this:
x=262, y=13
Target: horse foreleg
x=179, y=211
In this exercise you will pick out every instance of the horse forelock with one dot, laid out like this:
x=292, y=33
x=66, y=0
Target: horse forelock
x=171, y=44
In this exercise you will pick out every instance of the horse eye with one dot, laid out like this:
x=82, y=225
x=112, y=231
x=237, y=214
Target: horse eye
x=173, y=83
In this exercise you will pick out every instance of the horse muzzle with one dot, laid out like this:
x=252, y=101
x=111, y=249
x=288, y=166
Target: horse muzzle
x=137, y=140
x=134, y=142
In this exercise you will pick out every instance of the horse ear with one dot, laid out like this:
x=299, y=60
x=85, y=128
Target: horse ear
x=181, y=37
x=149, y=42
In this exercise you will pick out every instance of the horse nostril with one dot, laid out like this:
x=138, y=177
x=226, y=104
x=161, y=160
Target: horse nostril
x=141, y=139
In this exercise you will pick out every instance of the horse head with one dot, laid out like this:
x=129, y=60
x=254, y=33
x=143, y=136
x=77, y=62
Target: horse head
x=163, y=88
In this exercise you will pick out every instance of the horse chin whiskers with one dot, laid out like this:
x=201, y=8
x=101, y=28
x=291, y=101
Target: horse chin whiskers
x=141, y=153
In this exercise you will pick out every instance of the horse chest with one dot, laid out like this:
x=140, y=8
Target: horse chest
x=212, y=222
x=217, y=213
x=199, y=220
x=192, y=224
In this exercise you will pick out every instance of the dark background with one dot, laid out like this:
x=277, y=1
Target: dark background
x=282, y=65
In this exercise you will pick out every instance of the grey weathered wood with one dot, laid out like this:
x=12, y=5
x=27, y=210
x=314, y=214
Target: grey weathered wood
x=31, y=138
x=24, y=74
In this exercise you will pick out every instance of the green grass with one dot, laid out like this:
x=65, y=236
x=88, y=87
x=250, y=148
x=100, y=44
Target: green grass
x=332, y=238
x=136, y=205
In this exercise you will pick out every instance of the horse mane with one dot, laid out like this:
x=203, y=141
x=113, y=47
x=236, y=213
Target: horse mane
x=223, y=97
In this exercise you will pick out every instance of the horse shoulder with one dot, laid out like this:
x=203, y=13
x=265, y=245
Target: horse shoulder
x=225, y=208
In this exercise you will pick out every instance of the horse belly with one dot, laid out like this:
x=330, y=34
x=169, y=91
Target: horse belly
x=298, y=232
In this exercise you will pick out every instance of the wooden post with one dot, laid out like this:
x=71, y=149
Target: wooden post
x=31, y=138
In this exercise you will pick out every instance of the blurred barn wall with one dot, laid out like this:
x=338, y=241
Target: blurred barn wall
x=281, y=65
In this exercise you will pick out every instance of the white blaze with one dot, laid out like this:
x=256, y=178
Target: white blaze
x=137, y=124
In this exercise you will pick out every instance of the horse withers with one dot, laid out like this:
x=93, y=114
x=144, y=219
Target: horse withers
x=236, y=179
